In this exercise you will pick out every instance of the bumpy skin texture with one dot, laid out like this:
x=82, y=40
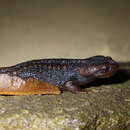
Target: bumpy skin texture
x=67, y=74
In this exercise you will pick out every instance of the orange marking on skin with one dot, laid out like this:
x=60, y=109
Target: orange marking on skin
x=13, y=85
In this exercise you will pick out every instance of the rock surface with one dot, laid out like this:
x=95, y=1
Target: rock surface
x=105, y=107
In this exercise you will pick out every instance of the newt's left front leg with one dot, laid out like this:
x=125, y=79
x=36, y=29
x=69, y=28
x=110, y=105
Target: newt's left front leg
x=74, y=87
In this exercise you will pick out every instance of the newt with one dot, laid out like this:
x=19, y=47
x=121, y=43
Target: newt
x=52, y=76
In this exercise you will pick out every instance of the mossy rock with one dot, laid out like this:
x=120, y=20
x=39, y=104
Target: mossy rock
x=105, y=107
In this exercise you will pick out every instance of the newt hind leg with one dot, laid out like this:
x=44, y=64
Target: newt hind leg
x=73, y=87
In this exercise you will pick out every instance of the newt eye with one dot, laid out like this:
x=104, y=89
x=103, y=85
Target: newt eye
x=106, y=68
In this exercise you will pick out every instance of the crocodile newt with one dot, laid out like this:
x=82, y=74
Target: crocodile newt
x=52, y=76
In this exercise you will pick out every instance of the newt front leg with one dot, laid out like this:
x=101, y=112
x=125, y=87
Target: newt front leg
x=73, y=87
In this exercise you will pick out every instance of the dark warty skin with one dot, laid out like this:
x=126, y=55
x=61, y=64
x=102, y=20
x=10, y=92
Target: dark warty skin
x=67, y=74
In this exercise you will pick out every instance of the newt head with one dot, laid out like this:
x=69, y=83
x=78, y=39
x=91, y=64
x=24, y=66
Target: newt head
x=99, y=67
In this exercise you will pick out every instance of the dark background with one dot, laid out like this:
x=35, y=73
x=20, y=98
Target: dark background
x=31, y=29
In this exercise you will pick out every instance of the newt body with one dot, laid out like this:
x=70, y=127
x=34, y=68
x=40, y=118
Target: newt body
x=66, y=74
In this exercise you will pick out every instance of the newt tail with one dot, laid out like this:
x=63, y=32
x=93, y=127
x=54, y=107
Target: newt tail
x=51, y=76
